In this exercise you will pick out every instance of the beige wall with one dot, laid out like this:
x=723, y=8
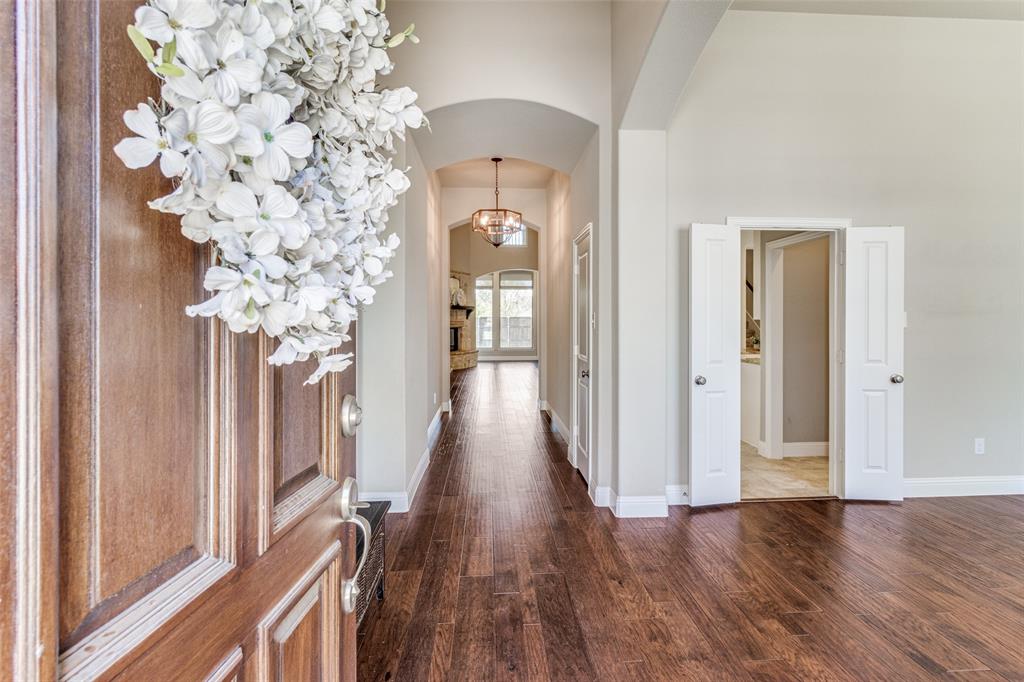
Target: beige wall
x=805, y=342
x=558, y=297
x=886, y=121
x=471, y=253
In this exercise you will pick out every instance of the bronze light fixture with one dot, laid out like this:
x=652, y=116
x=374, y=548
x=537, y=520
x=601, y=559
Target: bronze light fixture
x=497, y=224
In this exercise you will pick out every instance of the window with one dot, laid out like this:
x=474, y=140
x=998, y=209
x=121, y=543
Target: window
x=516, y=288
x=517, y=239
x=505, y=311
x=484, y=306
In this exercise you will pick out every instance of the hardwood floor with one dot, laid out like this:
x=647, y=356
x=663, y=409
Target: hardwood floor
x=504, y=570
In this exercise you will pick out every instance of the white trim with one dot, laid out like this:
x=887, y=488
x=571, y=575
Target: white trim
x=677, y=495
x=587, y=232
x=746, y=223
x=601, y=496
x=958, y=486
x=542, y=405
x=805, y=449
x=638, y=506
x=506, y=358
x=446, y=406
x=434, y=428
x=558, y=426
x=401, y=501
x=772, y=352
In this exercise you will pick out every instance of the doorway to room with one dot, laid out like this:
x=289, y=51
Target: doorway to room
x=786, y=366
x=865, y=388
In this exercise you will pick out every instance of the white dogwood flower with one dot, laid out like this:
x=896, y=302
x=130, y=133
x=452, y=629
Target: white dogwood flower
x=138, y=152
x=180, y=21
x=281, y=141
x=231, y=72
x=276, y=212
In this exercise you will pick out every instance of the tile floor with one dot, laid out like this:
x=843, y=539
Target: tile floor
x=762, y=478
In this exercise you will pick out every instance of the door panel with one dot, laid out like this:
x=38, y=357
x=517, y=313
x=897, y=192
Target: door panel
x=300, y=638
x=874, y=362
x=583, y=333
x=714, y=380
x=299, y=455
x=145, y=527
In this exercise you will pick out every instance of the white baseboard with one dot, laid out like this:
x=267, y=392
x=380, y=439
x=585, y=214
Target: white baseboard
x=601, y=495
x=959, y=486
x=637, y=506
x=506, y=358
x=446, y=406
x=762, y=449
x=805, y=449
x=677, y=495
x=401, y=501
x=542, y=405
x=557, y=425
x=434, y=428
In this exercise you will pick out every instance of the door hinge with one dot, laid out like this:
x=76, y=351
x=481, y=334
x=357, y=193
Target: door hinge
x=842, y=256
x=842, y=356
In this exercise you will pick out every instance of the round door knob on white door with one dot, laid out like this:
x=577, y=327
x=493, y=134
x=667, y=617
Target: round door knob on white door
x=700, y=381
x=351, y=416
x=896, y=378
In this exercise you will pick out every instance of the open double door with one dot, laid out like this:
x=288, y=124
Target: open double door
x=173, y=506
x=870, y=302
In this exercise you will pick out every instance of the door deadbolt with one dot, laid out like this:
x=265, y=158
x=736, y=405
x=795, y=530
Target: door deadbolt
x=351, y=416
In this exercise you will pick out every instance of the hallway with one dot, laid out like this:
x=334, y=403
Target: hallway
x=503, y=569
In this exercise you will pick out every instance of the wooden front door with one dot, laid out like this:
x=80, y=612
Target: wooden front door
x=186, y=494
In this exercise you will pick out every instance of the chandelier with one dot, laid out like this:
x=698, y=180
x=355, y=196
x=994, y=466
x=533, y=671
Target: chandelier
x=497, y=224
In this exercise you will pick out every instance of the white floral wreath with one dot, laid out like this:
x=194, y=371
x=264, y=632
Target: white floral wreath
x=280, y=144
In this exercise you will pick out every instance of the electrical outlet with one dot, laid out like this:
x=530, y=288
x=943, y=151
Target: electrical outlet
x=979, y=446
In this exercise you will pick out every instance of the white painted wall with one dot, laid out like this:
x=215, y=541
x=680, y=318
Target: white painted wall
x=906, y=121
x=635, y=22
x=399, y=346
x=641, y=262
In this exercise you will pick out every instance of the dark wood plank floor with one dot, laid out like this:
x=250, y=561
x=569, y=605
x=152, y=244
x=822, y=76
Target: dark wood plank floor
x=504, y=570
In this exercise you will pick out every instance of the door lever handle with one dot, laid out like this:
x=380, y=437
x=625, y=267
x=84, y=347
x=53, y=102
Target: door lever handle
x=348, y=506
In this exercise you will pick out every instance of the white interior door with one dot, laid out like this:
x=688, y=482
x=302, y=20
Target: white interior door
x=715, y=339
x=582, y=332
x=874, y=364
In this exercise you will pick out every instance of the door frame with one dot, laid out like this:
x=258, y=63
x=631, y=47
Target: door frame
x=835, y=229
x=574, y=421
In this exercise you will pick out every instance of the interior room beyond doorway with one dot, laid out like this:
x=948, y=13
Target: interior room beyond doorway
x=785, y=384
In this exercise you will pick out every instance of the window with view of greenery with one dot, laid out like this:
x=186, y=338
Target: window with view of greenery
x=505, y=311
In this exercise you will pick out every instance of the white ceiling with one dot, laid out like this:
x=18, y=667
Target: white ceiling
x=480, y=173
x=953, y=9
x=503, y=127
